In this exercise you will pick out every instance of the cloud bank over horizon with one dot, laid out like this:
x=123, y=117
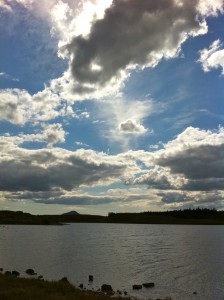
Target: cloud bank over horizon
x=187, y=165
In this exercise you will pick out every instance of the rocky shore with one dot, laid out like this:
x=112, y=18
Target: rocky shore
x=35, y=287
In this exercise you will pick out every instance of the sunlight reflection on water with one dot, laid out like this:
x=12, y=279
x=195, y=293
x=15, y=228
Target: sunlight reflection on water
x=179, y=259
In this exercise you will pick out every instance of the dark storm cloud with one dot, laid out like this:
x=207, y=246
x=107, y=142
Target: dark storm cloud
x=202, y=162
x=184, y=200
x=174, y=197
x=208, y=184
x=192, y=162
x=169, y=182
x=132, y=32
x=45, y=170
x=155, y=179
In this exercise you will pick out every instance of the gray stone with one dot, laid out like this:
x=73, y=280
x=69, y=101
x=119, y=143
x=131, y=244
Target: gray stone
x=30, y=272
x=15, y=273
x=148, y=284
x=106, y=288
x=137, y=286
x=8, y=273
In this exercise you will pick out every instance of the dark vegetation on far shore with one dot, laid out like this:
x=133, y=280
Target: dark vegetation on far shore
x=187, y=216
x=13, y=288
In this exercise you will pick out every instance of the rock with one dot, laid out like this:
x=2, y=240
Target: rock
x=148, y=284
x=106, y=288
x=8, y=273
x=15, y=273
x=65, y=279
x=137, y=286
x=1, y=269
x=81, y=286
x=90, y=277
x=40, y=277
x=30, y=272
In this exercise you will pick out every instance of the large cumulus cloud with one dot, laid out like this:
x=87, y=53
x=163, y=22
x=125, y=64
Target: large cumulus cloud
x=55, y=168
x=192, y=162
x=133, y=33
x=195, y=153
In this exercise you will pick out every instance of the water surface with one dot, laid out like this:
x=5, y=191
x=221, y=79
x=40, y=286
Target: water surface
x=179, y=259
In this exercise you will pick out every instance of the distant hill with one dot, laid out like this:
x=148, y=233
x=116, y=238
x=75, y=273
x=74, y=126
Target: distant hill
x=71, y=213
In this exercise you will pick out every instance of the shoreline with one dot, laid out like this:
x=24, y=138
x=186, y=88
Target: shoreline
x=15, y=287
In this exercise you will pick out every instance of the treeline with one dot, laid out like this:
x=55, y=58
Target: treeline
x=186, y=216
x=199, y=213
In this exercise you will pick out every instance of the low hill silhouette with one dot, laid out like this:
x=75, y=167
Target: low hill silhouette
x=70, y=213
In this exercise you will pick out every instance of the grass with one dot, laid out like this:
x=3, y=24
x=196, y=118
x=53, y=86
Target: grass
x=12, y=288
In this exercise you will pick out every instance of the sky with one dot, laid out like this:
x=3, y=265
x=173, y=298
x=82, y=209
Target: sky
x=111, y=105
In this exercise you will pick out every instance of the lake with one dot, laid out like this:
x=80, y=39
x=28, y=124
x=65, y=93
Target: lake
x=179, y=259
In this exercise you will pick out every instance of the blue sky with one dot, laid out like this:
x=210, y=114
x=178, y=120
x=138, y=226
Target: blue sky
x=111, y=105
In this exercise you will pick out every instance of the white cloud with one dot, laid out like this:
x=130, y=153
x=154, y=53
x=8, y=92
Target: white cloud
x=81, y=144
x=131, y=126
x=2, y=74
x=193, y=137
x=71, y=18
x=5, y=6
x=19, y=107
x=50, y=134
x=124, y=119
x=85, y=114
x=155, y=147
x=15, y=106
x=213, y=57
x=7, y=76
x=53, y=134
x=210, y=7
